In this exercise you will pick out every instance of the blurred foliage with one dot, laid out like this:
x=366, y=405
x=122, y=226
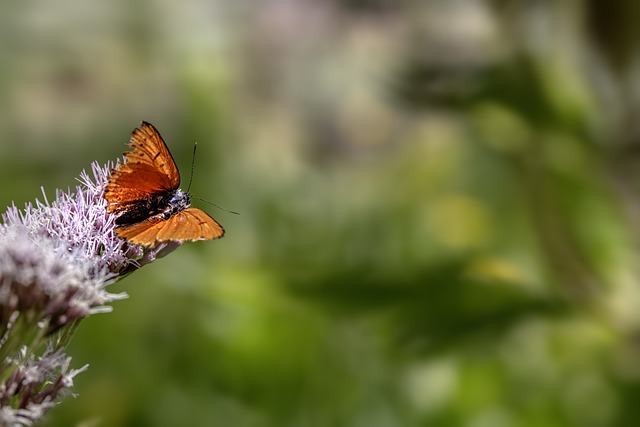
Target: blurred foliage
x=439, y=206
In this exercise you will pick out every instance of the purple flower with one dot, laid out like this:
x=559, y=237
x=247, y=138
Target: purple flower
x=34, y=386
x=56, y=261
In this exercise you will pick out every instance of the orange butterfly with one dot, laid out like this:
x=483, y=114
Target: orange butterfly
x=144, y=192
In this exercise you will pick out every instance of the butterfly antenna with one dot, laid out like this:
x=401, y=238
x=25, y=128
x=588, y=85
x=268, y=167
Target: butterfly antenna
x=193, y=163
x=213, y=204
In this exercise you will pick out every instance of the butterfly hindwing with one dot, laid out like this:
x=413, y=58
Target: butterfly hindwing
x=148, y=169
x=190, y=224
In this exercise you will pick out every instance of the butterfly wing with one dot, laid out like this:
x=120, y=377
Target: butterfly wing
x=189, y=224
x=148, y=169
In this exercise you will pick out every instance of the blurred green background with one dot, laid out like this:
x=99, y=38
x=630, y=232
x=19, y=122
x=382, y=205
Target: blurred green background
x=440, y=206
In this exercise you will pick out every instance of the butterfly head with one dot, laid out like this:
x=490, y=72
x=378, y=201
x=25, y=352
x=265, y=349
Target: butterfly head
x=178, y=202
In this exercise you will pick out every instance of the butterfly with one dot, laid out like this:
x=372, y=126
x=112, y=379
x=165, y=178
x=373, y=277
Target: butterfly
x=144, y=192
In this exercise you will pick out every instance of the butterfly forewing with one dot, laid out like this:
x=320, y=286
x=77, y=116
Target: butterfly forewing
x=190, y=224
x=149, y=169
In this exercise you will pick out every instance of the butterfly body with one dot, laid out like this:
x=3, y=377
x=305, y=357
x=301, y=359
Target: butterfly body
x=144, y=193
x=160, y=206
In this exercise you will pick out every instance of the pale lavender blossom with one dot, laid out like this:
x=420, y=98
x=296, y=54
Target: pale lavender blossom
x=35, y=385
x=56, y=260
